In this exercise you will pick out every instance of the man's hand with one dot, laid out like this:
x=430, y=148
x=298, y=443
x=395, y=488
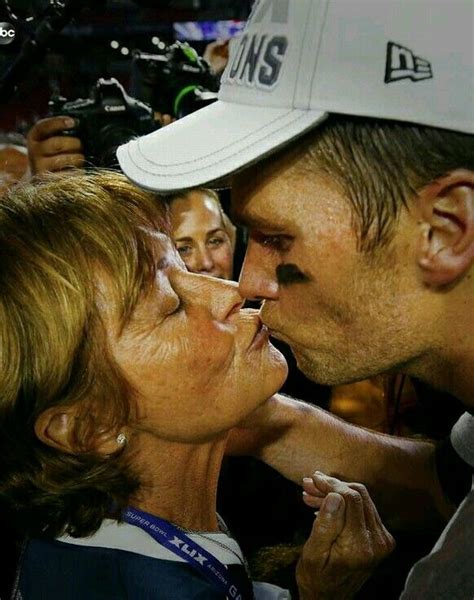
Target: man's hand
x=347, y=542
x=48, y=150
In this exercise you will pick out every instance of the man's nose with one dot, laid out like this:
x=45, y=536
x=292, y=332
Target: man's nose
x=257, y=279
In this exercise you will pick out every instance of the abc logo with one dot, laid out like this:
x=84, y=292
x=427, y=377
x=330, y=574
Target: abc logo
x=7, y=33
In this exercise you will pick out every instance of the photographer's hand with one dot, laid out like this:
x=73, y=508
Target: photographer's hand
x=163, y=119
x=48, y=150
x=217, y=54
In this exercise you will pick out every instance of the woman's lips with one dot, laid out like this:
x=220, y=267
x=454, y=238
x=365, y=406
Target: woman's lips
x=260, y=338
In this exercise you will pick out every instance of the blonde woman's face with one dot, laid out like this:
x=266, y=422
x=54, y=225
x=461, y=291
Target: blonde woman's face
x=200, y=236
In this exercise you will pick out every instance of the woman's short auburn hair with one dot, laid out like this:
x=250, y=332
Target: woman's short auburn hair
x=57, y=235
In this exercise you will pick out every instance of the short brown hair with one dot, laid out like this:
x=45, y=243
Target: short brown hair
x=381, y=164
x=56, y=234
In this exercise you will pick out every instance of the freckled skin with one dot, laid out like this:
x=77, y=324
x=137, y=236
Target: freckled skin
x=188, y=353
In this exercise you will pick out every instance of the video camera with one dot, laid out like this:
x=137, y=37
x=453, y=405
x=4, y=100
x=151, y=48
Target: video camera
x=177, y=82
x=108, y=118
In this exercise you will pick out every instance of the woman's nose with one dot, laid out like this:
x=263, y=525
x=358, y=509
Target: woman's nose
x=225, y=298
x=220, y=297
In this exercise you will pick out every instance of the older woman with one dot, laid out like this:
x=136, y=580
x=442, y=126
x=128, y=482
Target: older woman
x=121, y=376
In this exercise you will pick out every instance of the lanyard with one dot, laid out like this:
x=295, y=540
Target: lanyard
x=175, y=540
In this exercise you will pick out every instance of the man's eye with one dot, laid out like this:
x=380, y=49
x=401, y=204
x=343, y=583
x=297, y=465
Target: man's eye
x=277, y=243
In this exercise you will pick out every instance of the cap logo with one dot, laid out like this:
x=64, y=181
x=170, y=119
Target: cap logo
x=258, y=58
x=401, y=63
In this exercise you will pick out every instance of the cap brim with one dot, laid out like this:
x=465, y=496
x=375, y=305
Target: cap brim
x=210, y=144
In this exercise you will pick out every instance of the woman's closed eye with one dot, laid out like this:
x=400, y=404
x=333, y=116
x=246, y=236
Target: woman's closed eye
x=178, y=307
x=172, y=305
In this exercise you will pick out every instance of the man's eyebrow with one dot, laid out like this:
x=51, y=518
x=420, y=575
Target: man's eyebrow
x=253, y=222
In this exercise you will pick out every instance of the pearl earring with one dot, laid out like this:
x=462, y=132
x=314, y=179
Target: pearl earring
x=121, y=439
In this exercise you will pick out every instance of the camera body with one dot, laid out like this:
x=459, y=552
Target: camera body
x=105, y=120
x=177, y=82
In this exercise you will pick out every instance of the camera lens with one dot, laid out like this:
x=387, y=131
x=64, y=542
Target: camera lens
x=111, y=137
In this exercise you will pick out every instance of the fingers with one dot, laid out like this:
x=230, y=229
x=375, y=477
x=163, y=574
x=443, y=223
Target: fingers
x=372, y=517
x=362, y=521
x=311, y=489
x=59, y=162
x=45, y=128
x=61, y=145
x=50, y=151
x=164, y=118
x=313, y=501
x=347, y=541
x=326, y=528
x=312, y=496
x=355, y=513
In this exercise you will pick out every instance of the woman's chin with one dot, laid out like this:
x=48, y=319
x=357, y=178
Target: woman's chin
x=278, y=367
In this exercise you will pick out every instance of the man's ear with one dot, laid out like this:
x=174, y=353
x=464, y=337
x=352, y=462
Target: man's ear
x=56, y=427
x=446, y=248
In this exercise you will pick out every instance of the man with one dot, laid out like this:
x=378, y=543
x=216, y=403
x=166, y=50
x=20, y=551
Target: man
x=349, y=125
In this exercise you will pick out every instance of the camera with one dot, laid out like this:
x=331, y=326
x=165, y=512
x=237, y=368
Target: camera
x=177, y=82
x=108, y=118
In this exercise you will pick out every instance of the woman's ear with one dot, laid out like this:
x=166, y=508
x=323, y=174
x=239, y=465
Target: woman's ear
x=55, y=427
x=446, y=246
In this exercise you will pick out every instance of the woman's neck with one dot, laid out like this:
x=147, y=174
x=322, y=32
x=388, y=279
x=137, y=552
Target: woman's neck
x=179, y=481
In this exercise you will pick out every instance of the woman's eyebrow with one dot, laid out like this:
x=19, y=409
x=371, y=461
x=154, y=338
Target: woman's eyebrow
x=163, y=263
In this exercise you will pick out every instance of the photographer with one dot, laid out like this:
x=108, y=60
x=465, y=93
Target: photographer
x=87, y=132
x=50, y=150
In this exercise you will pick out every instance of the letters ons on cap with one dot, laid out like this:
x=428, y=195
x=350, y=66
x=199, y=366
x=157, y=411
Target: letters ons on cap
x=258, y=58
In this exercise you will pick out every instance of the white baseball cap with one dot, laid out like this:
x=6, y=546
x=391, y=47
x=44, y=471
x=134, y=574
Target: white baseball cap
x=299, y=60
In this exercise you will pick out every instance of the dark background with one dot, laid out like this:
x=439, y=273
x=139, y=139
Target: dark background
x=81, y=53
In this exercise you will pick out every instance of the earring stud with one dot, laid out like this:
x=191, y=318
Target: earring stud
x=121, y=439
